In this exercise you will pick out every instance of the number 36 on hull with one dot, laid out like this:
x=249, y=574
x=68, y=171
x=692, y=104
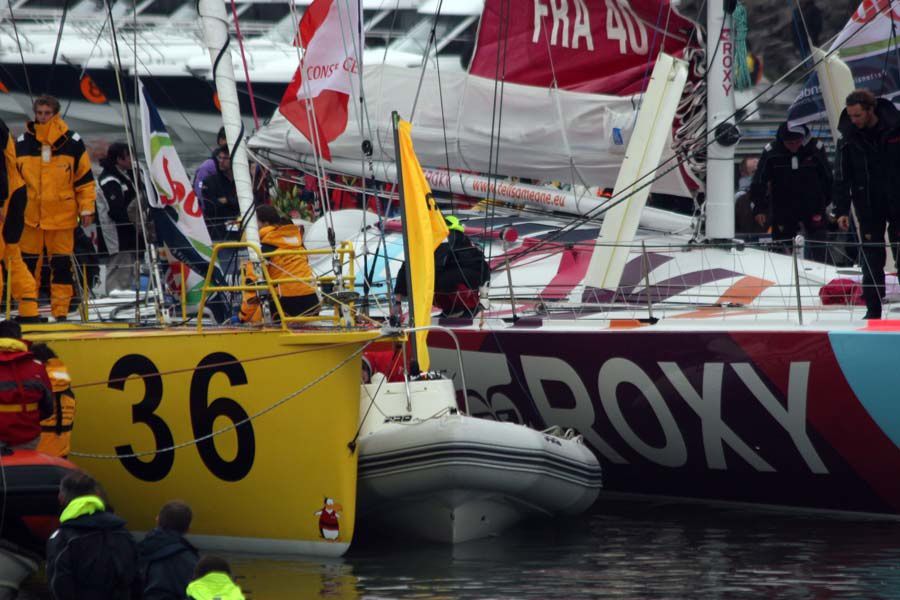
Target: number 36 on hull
x=266, y=483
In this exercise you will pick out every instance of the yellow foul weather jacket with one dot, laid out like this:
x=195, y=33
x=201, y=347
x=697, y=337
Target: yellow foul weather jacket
x=12, y=191
x=57, y=171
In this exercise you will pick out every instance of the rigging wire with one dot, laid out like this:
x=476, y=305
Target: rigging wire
x=431, y=42
x=497, y=111
x=59, y=34
x=12, y=18
x=240, y=39
x=88, y=60
x=132, y=147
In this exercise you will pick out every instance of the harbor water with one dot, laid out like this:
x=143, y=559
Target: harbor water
x=624, y=548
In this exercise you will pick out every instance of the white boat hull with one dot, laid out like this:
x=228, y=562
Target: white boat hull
x=454, y=478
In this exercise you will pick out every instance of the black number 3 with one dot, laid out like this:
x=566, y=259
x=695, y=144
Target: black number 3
x=143, y=412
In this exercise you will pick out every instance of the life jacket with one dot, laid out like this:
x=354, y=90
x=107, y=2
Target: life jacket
x=24, y=392
x=287, y=237
x=215, y=585
x=56, y=430
x=57, y=171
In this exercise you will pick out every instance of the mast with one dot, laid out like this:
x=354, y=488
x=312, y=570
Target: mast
x=215, y=32
x=414, y=363
x=719, y=120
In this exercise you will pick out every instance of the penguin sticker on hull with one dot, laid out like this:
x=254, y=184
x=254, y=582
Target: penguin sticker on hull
x=329, y=515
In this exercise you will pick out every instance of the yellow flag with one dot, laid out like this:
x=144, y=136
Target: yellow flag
x=425, y=230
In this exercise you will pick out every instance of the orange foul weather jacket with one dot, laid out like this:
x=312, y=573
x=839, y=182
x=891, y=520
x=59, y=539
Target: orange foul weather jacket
x=294, y=266
x=57, y=171
x=280, y=237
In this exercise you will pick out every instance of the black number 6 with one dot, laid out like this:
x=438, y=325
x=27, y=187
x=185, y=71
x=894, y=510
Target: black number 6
x=204, y=415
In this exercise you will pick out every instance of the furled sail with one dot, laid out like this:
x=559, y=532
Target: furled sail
x=600, y=56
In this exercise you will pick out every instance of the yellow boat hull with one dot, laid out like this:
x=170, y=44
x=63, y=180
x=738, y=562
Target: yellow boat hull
x=263, y=486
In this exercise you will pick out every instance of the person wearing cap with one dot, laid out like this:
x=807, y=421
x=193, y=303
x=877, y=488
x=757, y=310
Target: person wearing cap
x=459, y=271
x=866, y=175
x=792, y=187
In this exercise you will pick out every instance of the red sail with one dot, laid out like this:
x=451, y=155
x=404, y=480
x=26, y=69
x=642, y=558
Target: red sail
x=597, y=46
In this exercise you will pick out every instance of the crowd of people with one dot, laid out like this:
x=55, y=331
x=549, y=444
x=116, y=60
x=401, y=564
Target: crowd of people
x=60, y=221
x=92, y=556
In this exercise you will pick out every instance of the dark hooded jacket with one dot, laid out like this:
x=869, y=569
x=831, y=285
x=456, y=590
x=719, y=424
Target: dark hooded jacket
x=220, y=203
x=457, y=261
x=866, y=171
x=92, y=557
x=118, y=232
x=795, y=187
x=167, y=564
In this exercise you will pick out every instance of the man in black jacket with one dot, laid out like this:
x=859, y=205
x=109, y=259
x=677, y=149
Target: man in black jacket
x=791, y=188
x=220, y=202
x=460, y=269
x=167, y=559
x=91, y=556
x=866, y=175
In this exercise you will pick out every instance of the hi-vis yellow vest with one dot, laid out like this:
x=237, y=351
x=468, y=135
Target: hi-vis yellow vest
x=214, y=586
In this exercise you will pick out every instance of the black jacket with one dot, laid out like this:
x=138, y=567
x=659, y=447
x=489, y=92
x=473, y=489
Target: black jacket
x=119, y=193
x=220, y=204
x=866, y=172
x=93, y=557
x=456, y=261
x=167, y=564
x=795, y=187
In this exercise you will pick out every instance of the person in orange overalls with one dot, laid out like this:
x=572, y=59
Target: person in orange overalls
x=57, y=172
x=14, y=198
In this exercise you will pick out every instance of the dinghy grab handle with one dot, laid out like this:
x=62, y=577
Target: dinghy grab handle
x=462, y=374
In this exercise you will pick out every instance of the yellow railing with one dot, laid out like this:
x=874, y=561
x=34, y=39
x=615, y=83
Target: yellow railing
x=346, y=255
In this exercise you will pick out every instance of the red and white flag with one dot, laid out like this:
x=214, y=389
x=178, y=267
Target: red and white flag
x=329, y=32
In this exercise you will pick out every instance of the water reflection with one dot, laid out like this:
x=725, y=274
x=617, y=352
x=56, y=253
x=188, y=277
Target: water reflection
x=623, y=549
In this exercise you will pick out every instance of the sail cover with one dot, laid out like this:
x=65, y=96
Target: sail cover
x=597, y=46
x=575, y=133
x=869, y=45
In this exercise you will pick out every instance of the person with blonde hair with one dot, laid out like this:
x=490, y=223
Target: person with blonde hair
x=54, y=162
